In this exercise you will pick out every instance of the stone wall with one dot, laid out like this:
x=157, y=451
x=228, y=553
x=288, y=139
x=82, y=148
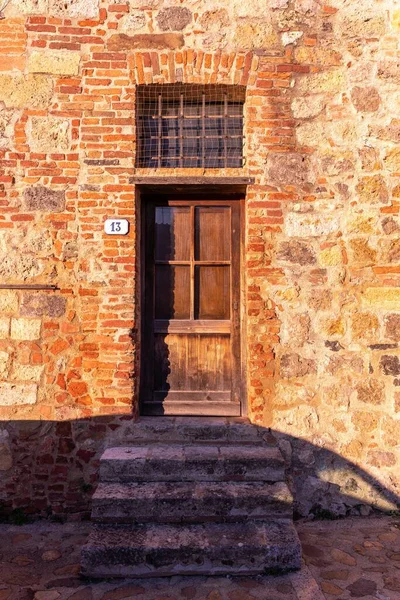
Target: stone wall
x=322, y=232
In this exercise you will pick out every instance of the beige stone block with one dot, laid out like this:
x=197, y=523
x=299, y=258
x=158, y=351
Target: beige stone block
x=27, y=7
x=332, y=81
x=4, y=328
x=362, y=253
x=255, y=35
x=312, y=134
x=315, y=55
x=250, y=8
x=31, y=91
x=8, y=120
x=18, y=394
x=396, y=19
x=55, y=63
x=49, y=134
x=362, y=224
x=392, y=160
x=311, y=225
x=25, y=329
x=308, y=106
x=334, y=327
x=20, y=267
x=336, y=162
x=8, y=302
x=364, y=326
x=4, y=358
x=365, y=421
x=363, y=24
x=74, y=9
x=373, y=189
x=386, y=298
x=331, y=257
x=134, y=20
x=28, y=372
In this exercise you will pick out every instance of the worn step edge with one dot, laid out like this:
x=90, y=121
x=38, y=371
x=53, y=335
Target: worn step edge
x=192, y=463
x=207, y=549
x=177, y=502
x=197, y=430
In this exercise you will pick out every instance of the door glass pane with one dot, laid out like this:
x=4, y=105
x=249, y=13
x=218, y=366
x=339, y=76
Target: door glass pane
x=213, y=233
x=212, y=292
x=172, y=225
x=172, y=292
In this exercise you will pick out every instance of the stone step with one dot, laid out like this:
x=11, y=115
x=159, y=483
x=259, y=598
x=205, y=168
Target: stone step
x=190, y=502
x=175, y=462
x=207, y=549
x=198, y=430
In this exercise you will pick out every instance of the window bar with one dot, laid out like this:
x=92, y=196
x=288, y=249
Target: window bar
x=192, y=262
x=181, y=132
x=203, y=131
x=159, y=148
x=225, y=130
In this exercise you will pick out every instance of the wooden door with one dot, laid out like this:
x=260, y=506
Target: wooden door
x=191, y=328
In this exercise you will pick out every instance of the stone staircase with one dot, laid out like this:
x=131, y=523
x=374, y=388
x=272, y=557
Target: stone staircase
x=192, y=496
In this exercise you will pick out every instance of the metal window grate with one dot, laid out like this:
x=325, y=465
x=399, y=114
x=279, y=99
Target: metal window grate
x=190, y=126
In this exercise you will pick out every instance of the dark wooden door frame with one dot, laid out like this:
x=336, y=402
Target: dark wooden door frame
x=219, y=193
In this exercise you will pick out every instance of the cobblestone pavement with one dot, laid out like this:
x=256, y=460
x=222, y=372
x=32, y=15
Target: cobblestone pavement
x=353, y=558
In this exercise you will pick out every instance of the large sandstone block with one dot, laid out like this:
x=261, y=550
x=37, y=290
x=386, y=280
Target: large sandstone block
x=289, y=169
x=8, y=302
x=308, y=106
x=371, y=391
x=38, y=305
x=19, y=267
x=392, y=160
x=7, y=122
x=366, y=99
x=363, y=24
x=296, y=252
x=372, y=189
x=312, y=133
x=74, y=9
x=390, y=365
x=293, y=365
x=332, y=81
x=20, y=91
x=251, y=35
x=389, y=70
x=43, y=198
x=49, y=134
x=311, y=224
x=17, y=394
x=382, y=297
x=27, y=372
x=135, y=19
x=392, y=327
x=25, y=329
x=4, y=328
x=173, y=18
x=55, y=63
x=4, y=363
x=255, y=8
x=27, y=7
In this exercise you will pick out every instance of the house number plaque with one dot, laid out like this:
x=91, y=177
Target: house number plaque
x=116, y=226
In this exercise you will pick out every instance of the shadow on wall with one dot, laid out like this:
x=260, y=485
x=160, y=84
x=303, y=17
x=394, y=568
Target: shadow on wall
x=50, y=468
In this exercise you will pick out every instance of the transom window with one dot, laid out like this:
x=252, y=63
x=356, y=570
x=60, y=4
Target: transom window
x=190, y=126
